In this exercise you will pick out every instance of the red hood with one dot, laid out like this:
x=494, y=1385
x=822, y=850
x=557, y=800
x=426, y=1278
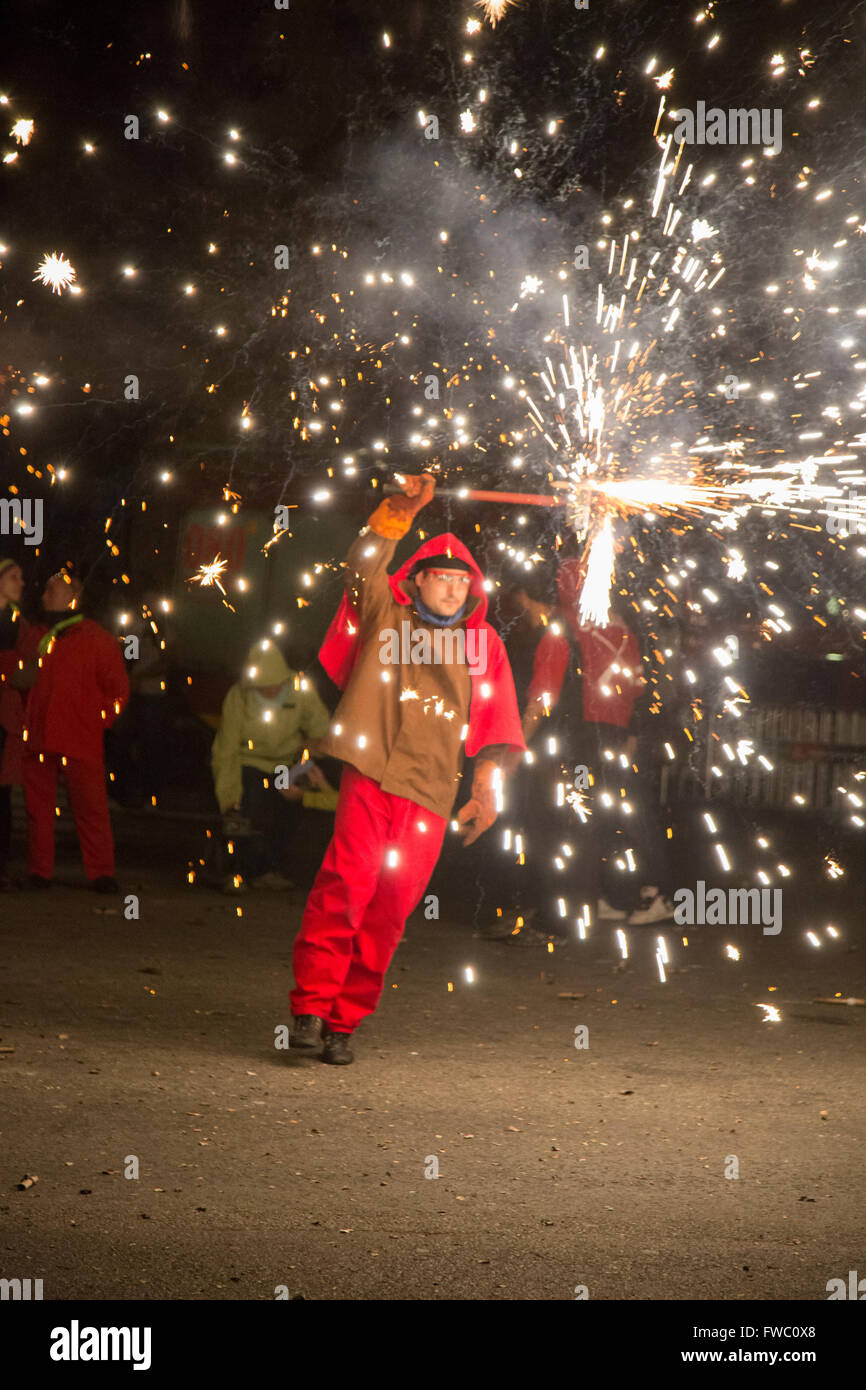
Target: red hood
x=444, y=544
x=493, y=715
x=339, y=651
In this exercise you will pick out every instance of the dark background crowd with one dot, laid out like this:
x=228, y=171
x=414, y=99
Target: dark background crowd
x=177, y=743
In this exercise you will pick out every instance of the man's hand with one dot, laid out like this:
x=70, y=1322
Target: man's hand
x=393, y=517
x=481, y=810
x=292, y=793
x=317, y=778
x=416, y=484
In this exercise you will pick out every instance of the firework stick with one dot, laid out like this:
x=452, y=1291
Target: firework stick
x=518, y=499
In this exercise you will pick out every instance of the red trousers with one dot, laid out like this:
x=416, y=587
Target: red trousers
x=88, y=802
x=375, y=869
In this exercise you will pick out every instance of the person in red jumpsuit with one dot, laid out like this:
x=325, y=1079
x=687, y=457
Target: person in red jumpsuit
x=12, y=629
x=80, y=689
x=425, y=679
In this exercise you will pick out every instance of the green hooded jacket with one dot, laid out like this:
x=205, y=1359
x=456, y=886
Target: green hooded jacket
x=263, y=734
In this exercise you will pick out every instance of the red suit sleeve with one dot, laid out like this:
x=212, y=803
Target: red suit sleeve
x=113, y=679
x=494, y=719
x=26, y=648
x=549, y=668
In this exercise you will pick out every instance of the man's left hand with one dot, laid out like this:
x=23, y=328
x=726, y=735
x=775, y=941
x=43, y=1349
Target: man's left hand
x=482, y=808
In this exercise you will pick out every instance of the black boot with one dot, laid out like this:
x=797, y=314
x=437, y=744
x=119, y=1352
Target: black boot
x=306, y=1032
x=104, y=884
x=336, y=1049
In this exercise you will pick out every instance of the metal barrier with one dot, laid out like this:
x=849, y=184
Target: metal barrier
x=813, y=751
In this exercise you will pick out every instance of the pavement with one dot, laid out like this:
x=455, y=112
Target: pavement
x=148, y=1046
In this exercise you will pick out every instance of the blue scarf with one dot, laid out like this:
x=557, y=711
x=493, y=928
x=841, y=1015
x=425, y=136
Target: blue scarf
x=436, y=619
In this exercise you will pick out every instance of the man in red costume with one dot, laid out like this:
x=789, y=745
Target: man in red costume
x=422, y=674
x=589, y=681
x=80, y=690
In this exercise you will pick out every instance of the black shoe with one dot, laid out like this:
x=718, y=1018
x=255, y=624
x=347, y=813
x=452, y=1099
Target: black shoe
x=336, y=1049
x=104, y=884
x=35, y=881
x=306, y=1032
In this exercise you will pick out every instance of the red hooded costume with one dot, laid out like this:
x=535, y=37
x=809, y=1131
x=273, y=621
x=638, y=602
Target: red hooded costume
x=413, y=726
x=403, y=726
x=610, y=659
x=81, y=688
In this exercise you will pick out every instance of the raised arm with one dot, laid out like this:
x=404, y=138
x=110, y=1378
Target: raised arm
x=369, y=556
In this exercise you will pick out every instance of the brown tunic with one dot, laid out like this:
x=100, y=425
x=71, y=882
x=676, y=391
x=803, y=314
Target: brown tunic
x=402, y=724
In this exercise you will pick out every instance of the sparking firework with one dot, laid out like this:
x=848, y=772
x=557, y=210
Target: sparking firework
x=55, y=271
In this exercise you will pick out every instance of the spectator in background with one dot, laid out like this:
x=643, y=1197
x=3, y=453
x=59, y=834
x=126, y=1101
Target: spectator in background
x=140, y=742
x=516, y=879
x=267, y=719
x=12, y=627
x=80, y=688
x=589, y=679
x=523, y=615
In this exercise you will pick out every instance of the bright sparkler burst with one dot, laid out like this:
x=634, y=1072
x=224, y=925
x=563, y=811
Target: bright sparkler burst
x=597, y=399
x=210, y=574
x=494, y=9
x=595, y=594
x=55, y=271
x=23, y=131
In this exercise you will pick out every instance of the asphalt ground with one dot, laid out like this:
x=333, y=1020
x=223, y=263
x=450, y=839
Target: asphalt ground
x=558, y=1167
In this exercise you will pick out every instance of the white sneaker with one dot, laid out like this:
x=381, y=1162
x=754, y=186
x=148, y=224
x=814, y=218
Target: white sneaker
x=606, y=913
x=659, y=909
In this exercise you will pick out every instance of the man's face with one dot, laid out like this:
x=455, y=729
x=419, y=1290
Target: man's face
x=59, y=593
x=443, y=591
x=12, y=584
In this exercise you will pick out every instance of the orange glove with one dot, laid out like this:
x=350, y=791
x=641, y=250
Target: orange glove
x=481, y=810
x=393, y=517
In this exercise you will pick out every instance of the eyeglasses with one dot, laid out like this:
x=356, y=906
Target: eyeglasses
x=454, y=581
